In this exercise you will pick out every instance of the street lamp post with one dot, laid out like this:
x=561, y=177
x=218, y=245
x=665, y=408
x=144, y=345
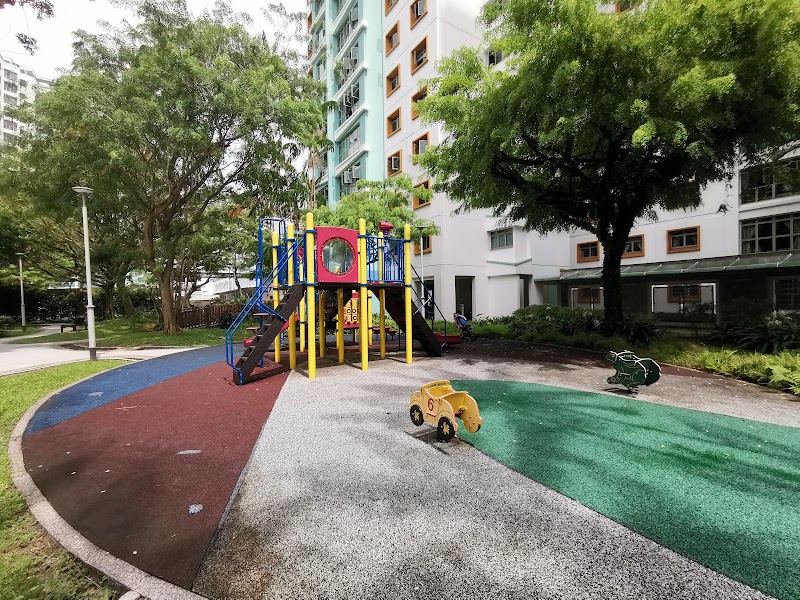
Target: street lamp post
x=84, y=191
x=21, y=291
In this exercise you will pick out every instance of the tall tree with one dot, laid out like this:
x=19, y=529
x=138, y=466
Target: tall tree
x=167, y=118
x=598, y=119
x=376, y=201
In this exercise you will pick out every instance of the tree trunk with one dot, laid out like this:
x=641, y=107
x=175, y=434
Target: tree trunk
x=612, y=291
x=108, y=299
x=124, y=296
x=167, y=288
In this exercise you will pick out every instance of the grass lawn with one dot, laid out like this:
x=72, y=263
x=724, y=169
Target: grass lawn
x=32, y=566
x=123, y=333
x=720, y=490
x=17, y=331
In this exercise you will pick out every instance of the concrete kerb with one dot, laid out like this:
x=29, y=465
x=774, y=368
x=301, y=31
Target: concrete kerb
x=112, y=567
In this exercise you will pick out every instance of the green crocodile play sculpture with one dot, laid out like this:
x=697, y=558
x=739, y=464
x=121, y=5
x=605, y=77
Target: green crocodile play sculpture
x=633, y=371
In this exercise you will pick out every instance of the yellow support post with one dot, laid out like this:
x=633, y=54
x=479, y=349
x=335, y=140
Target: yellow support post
x=322, y=332
x=275, y=292
x=290, y=282
x=381, y=297
x=302, y=312
x=407, y=280
x=340, y=324
x=311, y=256
x=363, y=294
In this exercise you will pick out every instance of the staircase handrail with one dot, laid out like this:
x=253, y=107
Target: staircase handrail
x=422, y=301
x=251, y=304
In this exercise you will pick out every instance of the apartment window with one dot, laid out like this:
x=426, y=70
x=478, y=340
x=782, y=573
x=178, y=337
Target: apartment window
x=787, y=294
x=494, y=57
x=418, y=97
x=393, y=124
x=425, y=240
x=349, y=178
x=420, y=145
x=350, y=25
x=393, y=81
x=349, y=64
x=589, y=252
x=589, y=295
x=419, y=55
x=394, y=164
x=418, y=203
x=419, y=8
x=768, y=182
x=9, y=124
x=389, y=5
x=770, y=234
x=9, y=100
x=502, y=238
x=683, y=293
x=683, y=240
x=349, y=102
x=393, y=38
x=634, y=247
x=10, y=87
x=350, y=145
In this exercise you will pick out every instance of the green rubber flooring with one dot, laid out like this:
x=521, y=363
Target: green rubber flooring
x=721, y=490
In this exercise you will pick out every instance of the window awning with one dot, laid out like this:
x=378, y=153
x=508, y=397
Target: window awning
x=770, y=260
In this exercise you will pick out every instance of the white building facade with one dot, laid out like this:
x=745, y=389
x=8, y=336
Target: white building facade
x=19, y=85
x=743, y=242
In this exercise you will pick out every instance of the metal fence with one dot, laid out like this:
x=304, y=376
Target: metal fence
x=206, y=316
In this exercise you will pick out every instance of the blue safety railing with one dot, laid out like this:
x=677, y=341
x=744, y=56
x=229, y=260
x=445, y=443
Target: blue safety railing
x=392, y=259
x=280, y=272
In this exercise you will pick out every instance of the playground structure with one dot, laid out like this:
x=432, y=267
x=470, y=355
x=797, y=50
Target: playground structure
x=439, y=404
x=632, y=371
x=315, y=274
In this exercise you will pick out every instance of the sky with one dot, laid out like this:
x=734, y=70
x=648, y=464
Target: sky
x=54, y=36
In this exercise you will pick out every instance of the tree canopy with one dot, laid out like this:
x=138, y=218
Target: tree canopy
x=596, y=119
x=375, y=201
x=166, y=120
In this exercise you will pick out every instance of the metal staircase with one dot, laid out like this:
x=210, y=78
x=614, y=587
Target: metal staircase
x=420, y=329
x=272, y=320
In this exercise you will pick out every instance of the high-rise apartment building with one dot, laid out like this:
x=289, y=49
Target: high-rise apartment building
x=742, y=242
x=374, y=54
x=19, y=85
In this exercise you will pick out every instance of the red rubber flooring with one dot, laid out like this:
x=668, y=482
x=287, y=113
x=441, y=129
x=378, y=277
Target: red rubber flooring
x=125, y=474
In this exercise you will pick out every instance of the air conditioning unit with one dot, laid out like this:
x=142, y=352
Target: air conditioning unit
x=422, y=146
x=419, y=8
x=395, y=164
x=346, y=179
x=356, y=172
x=354, y=54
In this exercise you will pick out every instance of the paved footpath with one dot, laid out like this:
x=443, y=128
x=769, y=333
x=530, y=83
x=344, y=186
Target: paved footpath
x=20, y=358
x=324, y=489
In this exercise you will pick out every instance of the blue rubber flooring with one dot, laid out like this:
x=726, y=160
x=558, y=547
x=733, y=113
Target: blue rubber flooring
x=118, y=383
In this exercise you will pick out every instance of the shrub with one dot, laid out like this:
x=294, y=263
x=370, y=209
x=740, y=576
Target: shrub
x=493, y=331
x=226, y=319
x=6, y=323
x=745, y=311
x=772, y=335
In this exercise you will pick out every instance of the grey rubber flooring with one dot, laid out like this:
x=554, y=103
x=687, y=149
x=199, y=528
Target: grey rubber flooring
x=345, y=498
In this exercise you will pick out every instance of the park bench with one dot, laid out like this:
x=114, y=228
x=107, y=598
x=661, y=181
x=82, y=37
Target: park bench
x=76, y=322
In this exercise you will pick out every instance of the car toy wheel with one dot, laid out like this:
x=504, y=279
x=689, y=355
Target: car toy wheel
x=445, y=430
x=417, y=418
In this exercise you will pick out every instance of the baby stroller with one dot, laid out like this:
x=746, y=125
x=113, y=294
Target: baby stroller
x=463, y=326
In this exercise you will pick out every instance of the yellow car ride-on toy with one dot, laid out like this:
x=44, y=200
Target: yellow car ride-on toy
x=439, y=404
